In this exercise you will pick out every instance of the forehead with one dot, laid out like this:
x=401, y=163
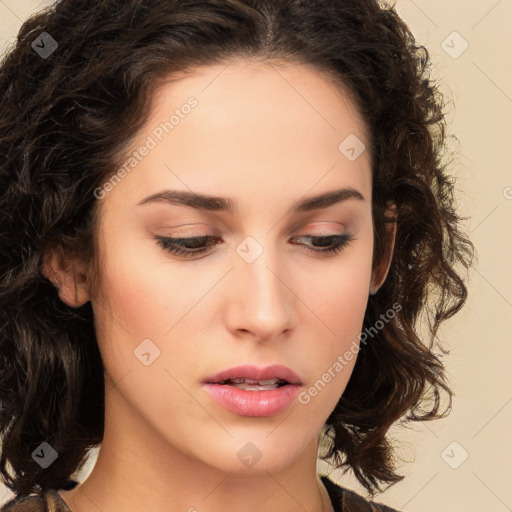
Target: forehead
x=253, y=125
x=272, y=91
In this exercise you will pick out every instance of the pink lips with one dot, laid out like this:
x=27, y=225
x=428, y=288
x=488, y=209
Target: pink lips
x=254, y=403
x=248, y=371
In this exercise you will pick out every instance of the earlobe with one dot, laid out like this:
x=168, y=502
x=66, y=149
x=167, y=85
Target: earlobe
x=68, y=276
x=380, y=272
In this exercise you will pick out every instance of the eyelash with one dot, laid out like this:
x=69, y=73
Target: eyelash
x=176, y=245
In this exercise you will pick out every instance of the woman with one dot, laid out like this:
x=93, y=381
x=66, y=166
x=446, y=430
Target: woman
x=221, y=221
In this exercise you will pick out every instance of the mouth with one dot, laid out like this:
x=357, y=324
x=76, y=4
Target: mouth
x=252, y=391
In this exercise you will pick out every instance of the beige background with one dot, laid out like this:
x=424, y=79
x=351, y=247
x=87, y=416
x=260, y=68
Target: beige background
x=479, y=84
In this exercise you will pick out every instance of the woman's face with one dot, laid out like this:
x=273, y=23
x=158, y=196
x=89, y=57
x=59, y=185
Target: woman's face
x=266, y=139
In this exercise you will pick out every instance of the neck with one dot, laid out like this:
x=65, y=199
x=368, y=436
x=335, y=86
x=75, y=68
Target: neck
x=137, y=468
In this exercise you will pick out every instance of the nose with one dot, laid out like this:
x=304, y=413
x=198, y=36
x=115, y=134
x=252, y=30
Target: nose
x=262, y=301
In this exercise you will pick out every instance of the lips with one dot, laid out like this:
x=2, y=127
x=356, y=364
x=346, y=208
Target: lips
x=249, y=390
x=255, y=374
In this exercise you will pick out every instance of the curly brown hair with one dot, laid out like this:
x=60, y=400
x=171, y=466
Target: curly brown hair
x=66, y=119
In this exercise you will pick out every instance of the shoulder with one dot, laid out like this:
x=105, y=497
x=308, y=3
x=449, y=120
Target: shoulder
x=50, y=501
x=345, y=500
x=26, y=504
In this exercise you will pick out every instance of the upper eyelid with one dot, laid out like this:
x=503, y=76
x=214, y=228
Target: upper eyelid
x=321, y=204
x=207, y=236
x=216, y=232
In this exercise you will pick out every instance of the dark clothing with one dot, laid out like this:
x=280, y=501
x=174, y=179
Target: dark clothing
x=345, y=500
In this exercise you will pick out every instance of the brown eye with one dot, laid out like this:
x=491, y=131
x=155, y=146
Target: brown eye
x=187, y=246
x=328, y=244
x=192, y=246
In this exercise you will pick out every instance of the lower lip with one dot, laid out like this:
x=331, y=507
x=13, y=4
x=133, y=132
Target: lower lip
x=253, y=403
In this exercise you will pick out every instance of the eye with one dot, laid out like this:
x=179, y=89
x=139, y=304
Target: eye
x=328, y=243
x=187, y=246
x=192, y=246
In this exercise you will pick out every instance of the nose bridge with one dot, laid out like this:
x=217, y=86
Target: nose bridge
x=263, y=295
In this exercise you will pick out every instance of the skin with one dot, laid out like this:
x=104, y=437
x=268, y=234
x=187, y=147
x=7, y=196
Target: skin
x=264, y=135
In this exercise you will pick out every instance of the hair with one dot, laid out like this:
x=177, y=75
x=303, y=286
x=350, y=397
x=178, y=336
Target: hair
x=65, y=123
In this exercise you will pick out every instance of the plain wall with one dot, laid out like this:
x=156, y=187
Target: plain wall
x=478, y=84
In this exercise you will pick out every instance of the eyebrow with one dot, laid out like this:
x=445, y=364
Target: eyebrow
x=224, y=204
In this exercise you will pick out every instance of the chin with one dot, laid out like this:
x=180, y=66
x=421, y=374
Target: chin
x=254, y=454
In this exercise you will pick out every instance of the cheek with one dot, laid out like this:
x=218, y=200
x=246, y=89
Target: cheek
x=144, y=297
x=141, y=289
x=133, y=305
x=339, y=298
x=340, y=295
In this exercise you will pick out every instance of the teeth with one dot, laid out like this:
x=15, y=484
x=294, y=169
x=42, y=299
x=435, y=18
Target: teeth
x=251, y=387
x=250, y=381
x=254, y=385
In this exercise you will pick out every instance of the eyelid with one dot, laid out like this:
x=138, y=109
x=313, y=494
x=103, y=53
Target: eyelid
x=175, y=245
x=311, y=233
x=310, y=229
x=320, y=232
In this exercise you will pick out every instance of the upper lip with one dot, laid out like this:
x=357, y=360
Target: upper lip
x=252, y=372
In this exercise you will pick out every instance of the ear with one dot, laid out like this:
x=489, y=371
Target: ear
x=69, y=276
x=380, y=271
